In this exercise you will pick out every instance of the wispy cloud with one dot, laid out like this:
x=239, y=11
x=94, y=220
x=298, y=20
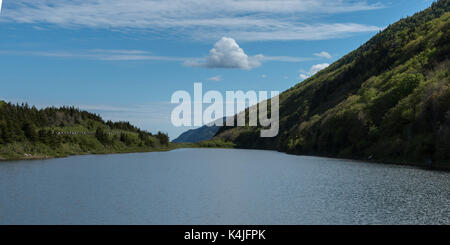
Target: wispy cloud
x=222, y=58
x=98, y=54
x=323, y=54
x=215, y=78
x=313, y=70
x=138, y=55
x=296, y=31
x=245, y=20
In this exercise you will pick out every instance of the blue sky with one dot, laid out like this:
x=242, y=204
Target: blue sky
x=125, y=59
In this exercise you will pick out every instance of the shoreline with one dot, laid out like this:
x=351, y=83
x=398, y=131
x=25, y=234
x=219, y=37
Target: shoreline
x=439, y=167
x=30, y=157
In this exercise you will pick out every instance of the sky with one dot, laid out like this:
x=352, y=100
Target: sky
x=124, y=59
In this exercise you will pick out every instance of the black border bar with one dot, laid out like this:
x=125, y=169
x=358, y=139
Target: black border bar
x=271, y=234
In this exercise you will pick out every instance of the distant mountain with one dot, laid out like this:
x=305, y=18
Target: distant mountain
x=197, y=135
x=389, y=100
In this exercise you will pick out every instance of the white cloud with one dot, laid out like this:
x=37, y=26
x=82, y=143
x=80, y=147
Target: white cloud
x=263, y=76
x=303, y=76
x=313, y=70
x=323, y=54
x=316, y=68
x=227, y=54
x=245, y=20
x=215, y=78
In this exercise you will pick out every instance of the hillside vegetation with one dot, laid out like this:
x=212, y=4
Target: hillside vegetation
x=27, y=133
x=389, y=100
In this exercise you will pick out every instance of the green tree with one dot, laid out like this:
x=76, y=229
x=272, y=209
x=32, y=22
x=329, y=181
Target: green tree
x=43, y=136
x=2, y=132
x=125, y=138
x=101, y=135
x=163, y=138
x=30, y=131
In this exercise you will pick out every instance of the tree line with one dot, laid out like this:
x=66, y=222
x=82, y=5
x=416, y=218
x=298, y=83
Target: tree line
x=22, y=123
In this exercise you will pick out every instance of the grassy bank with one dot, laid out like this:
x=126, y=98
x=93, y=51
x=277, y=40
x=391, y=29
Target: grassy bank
x=33, y=151
x=29, y=151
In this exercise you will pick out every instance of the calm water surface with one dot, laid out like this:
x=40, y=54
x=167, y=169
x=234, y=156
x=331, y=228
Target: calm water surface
x=212, y=186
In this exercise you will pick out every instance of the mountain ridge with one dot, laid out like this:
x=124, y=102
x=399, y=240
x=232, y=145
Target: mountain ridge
x=387, y=100
x=196, y=135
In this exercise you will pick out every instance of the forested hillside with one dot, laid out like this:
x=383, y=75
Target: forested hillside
x=27, y=132
x=389, y=100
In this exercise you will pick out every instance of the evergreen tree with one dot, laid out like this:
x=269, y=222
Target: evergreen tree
x=30, y=131
x=163, y=138
x=43, y=136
